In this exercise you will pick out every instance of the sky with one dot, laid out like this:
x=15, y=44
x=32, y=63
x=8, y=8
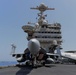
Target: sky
x=16, y=13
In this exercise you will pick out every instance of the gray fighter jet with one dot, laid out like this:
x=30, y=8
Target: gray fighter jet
x=34, y=54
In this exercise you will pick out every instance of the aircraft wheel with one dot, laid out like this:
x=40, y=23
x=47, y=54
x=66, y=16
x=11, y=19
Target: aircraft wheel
x=34, y=65
x=27, y=64
x=43, y=63
x=75, y=63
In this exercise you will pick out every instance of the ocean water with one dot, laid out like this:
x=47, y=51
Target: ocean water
x=7, y=63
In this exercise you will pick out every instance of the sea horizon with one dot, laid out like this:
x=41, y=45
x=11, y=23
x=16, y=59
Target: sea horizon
x=7, y=63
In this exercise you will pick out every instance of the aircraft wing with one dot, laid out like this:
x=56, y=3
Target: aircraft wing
x=17, y=54
x=51, y=54
x=70, y=56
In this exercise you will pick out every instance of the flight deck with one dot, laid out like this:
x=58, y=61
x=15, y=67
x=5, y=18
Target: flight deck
x=53, y=69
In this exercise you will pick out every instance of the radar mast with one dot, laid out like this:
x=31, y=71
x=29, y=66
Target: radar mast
x=42, y=7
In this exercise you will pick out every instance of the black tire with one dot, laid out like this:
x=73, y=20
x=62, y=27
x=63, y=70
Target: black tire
x=27, y=64
x=43, y=63
x=75, y=63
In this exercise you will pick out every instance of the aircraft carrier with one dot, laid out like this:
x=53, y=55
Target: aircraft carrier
x=47, y=34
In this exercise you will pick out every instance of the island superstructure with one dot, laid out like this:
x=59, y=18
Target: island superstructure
x=47, y=34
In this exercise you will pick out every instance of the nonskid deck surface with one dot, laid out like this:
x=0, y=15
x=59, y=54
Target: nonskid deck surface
x=53, y=69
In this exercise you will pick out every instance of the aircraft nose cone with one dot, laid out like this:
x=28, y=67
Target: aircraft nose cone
x=33, y=46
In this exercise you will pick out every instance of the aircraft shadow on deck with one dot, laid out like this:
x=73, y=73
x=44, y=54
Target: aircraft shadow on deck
x=25, y=70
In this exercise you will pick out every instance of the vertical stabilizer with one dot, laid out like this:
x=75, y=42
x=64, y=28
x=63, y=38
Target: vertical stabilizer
x=58, y=51
x=59, y=59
